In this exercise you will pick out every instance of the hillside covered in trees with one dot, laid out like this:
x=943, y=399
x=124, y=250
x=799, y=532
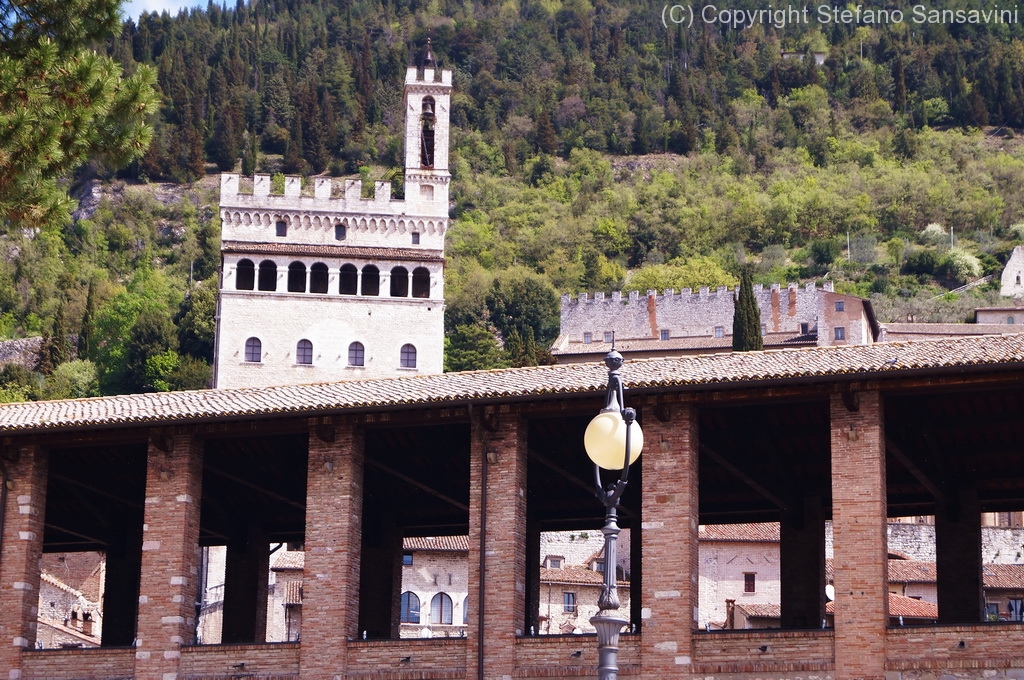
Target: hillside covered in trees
x=594, y=148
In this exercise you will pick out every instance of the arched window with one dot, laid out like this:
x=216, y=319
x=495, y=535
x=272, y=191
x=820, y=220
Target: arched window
x=253, y=350
x=427, y=139
x=356, y=354
x=441, y=609
x=408, y=356
x=340, y=232
x=421, y=282
x=371, y=280
x=268, y=275
x=349, y=282
x=1010, y=320
x=245, y=275
x=304, y=352
x=410, y=607
x=296, y=277
x=318, y=278
x=281, y=228
x=465, y=610
x=400, y=282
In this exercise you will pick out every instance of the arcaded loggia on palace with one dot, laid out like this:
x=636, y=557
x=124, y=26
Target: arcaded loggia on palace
x=339, y=281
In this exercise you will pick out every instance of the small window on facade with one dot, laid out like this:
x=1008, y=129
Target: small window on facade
x=608, y=336
x=1009, y=320
x=245, y=275
x=719, y=332
x=554, y=563
x=253, y=350
x=281, y=228
x=465, y=610
x=408, y=359
x=840, y=306
x=304, y=352
x=1018, y=279
x=749, y=582
x=415, y=238
x=441, y=609
x=407, y=559
x=805, y=328
x=318, y=278
x=410, y=607
x=339, y=232
x=587, y=337
x=569, y=603
x=764, y=330
x=599, y=565
x=664, y=335
x=840, y=333
x=356, y=356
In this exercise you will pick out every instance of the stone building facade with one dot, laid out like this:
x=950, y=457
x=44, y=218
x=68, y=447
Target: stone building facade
x=1011, y=284
x=678, y=323
x=851, y=434
x=325, y=283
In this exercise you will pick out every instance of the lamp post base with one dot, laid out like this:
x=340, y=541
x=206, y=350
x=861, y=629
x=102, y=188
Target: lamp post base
x=609, y=624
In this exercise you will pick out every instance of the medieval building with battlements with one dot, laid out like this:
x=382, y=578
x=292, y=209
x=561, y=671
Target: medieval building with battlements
x=328, y=283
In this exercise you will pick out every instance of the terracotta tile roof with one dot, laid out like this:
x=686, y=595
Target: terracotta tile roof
x=688, y=342
x=908, y=571
x=900, y=605
x=354, y=252
x=293, y=592
x=286, y=560
x=761, y=611
x=439, y=543
x=919, y=331
x=575, y=574
x=1004, y=576
x=760, y=532
x=811, y=365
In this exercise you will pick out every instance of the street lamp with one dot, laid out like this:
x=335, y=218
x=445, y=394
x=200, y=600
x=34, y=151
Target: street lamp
x=613, y=440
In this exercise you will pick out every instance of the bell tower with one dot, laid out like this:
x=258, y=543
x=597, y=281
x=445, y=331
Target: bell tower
x=428, y=94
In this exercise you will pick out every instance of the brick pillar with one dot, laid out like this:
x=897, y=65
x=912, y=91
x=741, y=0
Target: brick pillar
x=170, y=555
x=24, y=513
x=246, y=576
x=858, y=525
x=670, y=521
x=497, y=459
x=958, y=558
x=802, y=565
x=333, y=542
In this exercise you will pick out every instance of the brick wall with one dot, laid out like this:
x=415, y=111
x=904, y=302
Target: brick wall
x=384, y=658
x=170, y=555
x=571, y=656
x=858, y=524
x=935, y=651
x=334, y=508
x=22, y=549
x=734, y=652
x=79, y=664
x=669, y=526
x=268, y=660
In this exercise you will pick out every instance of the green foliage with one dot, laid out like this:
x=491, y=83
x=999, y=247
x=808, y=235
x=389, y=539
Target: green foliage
x=72, y=380
x=62, y=104
x=471, y=348
x=694, y=273
x=746, y=318
x=960, y=266
x=196, y=321
x=523, y=302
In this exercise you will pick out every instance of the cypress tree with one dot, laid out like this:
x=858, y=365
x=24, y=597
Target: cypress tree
x=746, y=318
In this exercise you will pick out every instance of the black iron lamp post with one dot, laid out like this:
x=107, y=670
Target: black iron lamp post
x=613, y=440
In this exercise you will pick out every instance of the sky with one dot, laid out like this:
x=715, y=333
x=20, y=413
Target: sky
x=133, y=8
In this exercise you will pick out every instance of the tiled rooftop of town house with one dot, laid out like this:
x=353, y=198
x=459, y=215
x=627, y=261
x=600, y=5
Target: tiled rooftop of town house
x=818, y=364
